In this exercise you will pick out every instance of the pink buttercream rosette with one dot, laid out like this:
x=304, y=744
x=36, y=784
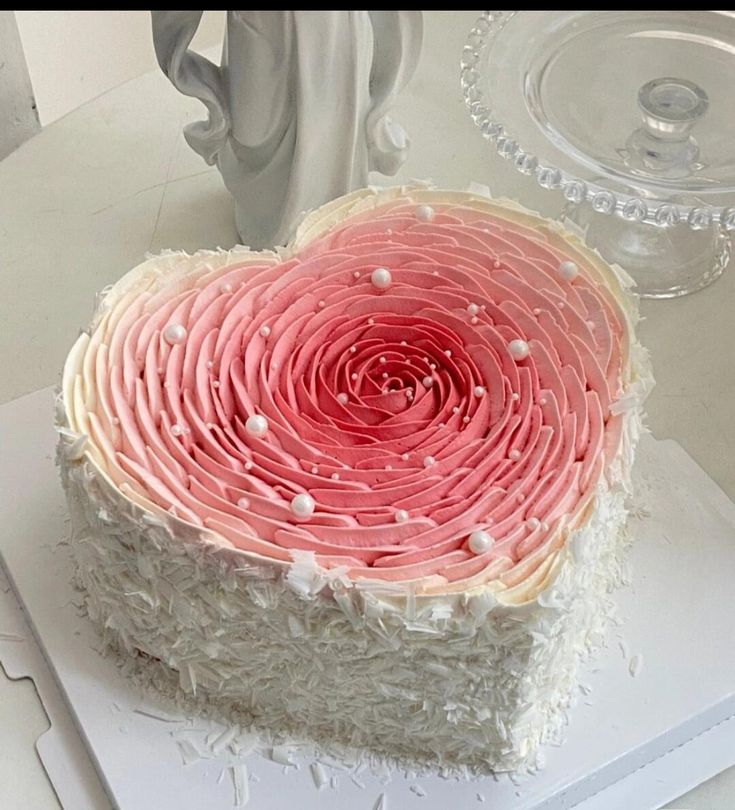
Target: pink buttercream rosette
x=405, y=411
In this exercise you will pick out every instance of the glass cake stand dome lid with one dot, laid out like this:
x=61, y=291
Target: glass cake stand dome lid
x=631, y=111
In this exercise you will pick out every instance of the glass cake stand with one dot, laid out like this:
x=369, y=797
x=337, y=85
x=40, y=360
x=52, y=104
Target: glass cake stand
x=631, y=115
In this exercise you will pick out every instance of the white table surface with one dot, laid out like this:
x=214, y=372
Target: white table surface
x=82, y=202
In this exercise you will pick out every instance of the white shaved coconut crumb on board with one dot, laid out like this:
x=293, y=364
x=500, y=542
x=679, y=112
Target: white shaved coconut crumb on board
x=635, y=666
x=318, y=774
x=240, y=781
x=381, y=803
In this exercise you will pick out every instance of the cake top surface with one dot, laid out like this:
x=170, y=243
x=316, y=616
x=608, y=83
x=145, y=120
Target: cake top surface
x=418, y=390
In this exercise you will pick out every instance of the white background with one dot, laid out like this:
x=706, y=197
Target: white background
x=74, y=56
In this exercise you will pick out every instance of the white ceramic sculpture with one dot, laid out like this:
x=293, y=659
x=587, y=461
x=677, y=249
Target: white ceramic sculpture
x=298, y=110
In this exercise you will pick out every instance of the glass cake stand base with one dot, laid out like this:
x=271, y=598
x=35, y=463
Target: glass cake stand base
x=665, y=262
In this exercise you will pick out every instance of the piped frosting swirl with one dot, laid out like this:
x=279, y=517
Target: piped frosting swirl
x=415, y=380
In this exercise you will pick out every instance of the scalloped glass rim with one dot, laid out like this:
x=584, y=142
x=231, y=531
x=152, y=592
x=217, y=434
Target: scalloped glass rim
x=574, y=189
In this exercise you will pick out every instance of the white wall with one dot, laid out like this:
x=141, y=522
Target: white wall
x=74, y=56
x=18, y=116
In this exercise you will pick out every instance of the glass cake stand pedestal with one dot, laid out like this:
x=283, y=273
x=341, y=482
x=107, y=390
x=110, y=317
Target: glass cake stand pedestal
x=630, y=115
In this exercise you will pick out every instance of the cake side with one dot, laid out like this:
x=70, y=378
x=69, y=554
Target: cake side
x=473, y=672
x=458, y=680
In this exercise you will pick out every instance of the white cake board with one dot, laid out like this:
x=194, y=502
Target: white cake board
x=633, y=742
x=60, y=748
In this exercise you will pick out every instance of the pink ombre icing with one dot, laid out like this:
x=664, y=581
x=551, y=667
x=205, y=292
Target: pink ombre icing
x=519, y=458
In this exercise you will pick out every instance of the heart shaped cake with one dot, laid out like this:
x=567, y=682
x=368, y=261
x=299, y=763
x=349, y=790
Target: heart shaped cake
x=368, y=489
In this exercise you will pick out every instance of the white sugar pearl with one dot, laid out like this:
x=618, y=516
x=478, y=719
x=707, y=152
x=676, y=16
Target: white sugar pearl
x=322, y=304
x=382, y=360
x=404, y=456
x=385, y=375
x=537, y=310
x=514, y=454
x=568, y=270
x=353, y=349
x=343, y=398
x=303, y=505
x=479, y=391
x=243, y=503
x=455, y=409
x=401, y=516
x=264, y=331
x=371, y=321
x=542, y=401
x=474, y=320
x=480, y=542
x=314, y=470
x=210, y=364
x=473, y=309
x=590, y=324
x=356, y=274
x=465, y=419
x=353, y=375
x=515, y=396
x=448, y=352
x=427, y=382
x=403, y=343
x=381, y=278
x=256, y=425
x=496, y=264
x=174, y=333
x=518, y=349
x=176, y=430
x=248, y=465
x=388, y=467
x=520, y=497
x=215, y=383
x=334, y=476
x=226, y=288
x=429, y=460
x=424, y=213
x=432, y=366
x=533, y=523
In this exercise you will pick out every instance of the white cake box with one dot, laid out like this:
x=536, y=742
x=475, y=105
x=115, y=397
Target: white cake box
x=632, y=741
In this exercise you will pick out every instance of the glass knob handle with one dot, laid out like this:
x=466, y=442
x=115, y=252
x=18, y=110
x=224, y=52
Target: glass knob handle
x=671, y=107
